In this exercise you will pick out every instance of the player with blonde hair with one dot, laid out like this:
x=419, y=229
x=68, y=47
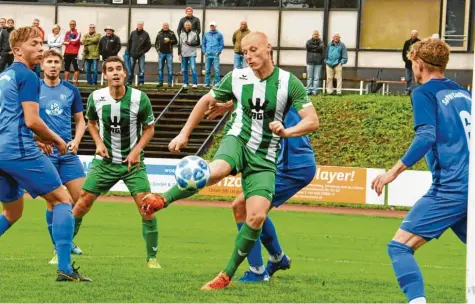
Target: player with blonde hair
x=442, y=123
x=22, y=165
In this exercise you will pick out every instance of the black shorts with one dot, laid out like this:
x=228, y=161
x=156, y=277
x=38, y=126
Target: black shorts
x=68, y=59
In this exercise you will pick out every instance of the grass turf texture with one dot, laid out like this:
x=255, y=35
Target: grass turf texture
x=336, y=258
x=368, y=131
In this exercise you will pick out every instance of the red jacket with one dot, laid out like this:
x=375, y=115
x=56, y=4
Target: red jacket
x=74, y=39
x=42, y=33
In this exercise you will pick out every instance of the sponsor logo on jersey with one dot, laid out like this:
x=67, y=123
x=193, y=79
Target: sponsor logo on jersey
x=115, y=125
x=54, y=108
x=258, y=109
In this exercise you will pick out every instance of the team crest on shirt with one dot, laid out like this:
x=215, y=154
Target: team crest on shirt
x=54, y=108
x=63, y=97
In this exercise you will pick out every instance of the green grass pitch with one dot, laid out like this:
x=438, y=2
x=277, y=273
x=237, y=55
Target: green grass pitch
x=336, y=258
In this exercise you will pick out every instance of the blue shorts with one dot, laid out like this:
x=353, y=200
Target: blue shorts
x=432, y=215
x=68, y=166
x=290, y=181
x=36, y=175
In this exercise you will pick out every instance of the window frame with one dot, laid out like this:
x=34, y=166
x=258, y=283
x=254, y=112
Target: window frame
x=466, y=34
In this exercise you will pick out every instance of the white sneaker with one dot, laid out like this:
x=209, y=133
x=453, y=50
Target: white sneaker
x=195, y=86
x=185, y=86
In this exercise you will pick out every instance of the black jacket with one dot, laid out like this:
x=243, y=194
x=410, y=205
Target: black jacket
x=195, y=25
x=407, y=48
x=161, y=46
x=314, y=51
x=4, y=41
x=139, y=43
x=109, y=46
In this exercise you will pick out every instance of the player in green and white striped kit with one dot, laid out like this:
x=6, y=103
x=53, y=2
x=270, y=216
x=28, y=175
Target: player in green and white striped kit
x=262, y=94
x=121, y=122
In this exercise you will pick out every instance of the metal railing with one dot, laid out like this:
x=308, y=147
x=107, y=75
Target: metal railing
x=168, y=106
x=218, y=125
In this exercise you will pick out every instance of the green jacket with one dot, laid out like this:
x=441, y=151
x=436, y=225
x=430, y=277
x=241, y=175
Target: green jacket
x=237, y=37
x=91, y=46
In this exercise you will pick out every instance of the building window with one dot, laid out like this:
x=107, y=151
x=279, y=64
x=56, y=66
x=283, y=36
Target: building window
x=344, y=3
x=387, y=24
x=242, y=3
x=303, y=3
x=455, y=23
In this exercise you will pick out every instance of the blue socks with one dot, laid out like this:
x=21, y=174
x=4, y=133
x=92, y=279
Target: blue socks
x=269, y=238
x=49, y=223
x=407, y=271
x=63, y=228
x=4, y=224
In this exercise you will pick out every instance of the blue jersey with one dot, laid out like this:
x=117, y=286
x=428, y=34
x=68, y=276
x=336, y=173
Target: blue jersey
x=17, y=84
x=296, y=152
x=57, y=105
x=446, y=106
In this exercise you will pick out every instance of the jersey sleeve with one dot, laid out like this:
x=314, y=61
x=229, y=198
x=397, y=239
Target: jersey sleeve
x=28, y=87
x=424, y=108
x=77, y=106
x=298, y=94
x=91, y=113
x=145, y=116
x=223, y=91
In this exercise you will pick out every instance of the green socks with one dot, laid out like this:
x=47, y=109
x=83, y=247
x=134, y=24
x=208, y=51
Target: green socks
x=77, y=224
x=175, y=194
x=150, y=235
x=245, y=240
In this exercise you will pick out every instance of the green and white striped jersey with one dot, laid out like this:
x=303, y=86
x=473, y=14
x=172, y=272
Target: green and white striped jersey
x=120, y=121
x=258, y=102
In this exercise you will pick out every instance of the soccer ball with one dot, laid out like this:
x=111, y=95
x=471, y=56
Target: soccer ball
x=192, y=173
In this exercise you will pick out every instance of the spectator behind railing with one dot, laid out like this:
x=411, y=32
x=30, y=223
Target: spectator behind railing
x=3, y=25
x=36, y=23
x=336, y=57
x=164, y=43
x=139, y=44
x=314, y=62
x=187, y=50
x=6, y=54
x=239, y=60
x=91, y=54
x=213, y=45
x=408, y=63
x=72, y=41
x=55, y=39
x=109, y=45
x=195, y=22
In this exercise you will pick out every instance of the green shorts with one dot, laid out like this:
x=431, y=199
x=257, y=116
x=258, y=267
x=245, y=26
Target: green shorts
x=104, y=175
x=258, y=173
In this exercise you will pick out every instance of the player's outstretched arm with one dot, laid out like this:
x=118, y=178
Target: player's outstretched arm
x=34, y=122
x=199, y=111
x=101, y=149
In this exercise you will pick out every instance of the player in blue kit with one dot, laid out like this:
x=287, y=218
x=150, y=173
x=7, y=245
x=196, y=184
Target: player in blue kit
x=295, y=170
x=442, y=123
x=59, y=102
x=22, y=165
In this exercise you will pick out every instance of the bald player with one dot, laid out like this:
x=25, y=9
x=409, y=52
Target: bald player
x=251, y=142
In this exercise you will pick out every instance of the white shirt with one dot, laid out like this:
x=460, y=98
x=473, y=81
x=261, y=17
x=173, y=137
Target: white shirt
x=56, y=42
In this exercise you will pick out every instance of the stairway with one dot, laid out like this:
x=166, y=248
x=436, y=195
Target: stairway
x=168, y=126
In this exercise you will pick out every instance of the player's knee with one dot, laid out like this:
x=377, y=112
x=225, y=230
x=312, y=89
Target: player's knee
x=396, y=249
x=256, y=219
x=239, y=211
x=13, y=215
